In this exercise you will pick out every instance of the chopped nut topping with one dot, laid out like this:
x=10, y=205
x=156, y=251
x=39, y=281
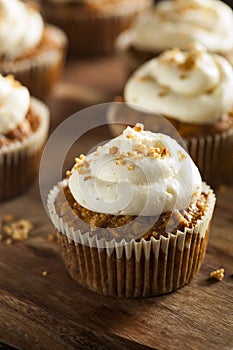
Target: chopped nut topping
x=14, y=230
x=113, y=150
x=138, y=127
x=181, y=156
x=82, y=157
x=162, y=93
x=68, y=174
x=165, y=153
x=217, y=274
x=51, y=237
x=118, y=162
x=130, y=136
x=130, y=167
x=140, y=148
x=87, y=178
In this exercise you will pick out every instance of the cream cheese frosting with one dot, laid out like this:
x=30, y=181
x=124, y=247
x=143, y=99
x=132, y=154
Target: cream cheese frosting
x=191, y=86
x=14, y=103
x=21, y=28
x=177, y=23
x=138, y=172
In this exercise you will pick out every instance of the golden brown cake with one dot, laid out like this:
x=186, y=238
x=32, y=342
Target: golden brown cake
x=133, y=217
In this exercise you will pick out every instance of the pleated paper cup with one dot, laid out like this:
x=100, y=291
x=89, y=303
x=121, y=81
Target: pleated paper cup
x=213, y=155
x=129, y=268
x=93, y=30
x=19, y=161
x=39, y=71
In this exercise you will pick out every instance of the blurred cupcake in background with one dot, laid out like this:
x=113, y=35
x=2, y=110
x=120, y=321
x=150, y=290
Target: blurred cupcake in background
x=176, y=24
x=194, y=91
x=32, y=51
x=92, y=25
x=133, y=218
x=24, y=123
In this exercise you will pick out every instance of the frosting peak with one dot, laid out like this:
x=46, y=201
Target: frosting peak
x=179, y=22
x=14, y=103
x=21, y=28
x=138, y=172
x=191, y=86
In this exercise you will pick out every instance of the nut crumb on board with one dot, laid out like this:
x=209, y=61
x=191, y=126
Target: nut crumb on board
x=217, y=274
x=12, y=230
x=45, y=273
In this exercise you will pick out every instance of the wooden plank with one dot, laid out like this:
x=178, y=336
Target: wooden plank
x=55, y=312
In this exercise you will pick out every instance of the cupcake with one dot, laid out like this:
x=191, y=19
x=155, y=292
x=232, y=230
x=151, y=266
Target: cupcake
x=177, y=24
x=24, y=123
x=133, y=217
x=194, y=91
x=93, y=25
x=32, y=51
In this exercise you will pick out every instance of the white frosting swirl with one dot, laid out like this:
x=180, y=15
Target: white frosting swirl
x=193, y=87
x=14, y=103
x=138, y=172
x=21, y=28
x=177, y=23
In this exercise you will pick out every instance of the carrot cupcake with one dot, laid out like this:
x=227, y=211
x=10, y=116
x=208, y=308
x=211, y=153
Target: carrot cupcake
x=32, y=51
x=133, y=217
x=93, y=25
x=194, y=91
x=177, y=23
x=24, y=123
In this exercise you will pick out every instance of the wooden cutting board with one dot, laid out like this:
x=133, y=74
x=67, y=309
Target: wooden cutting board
x=54, y=312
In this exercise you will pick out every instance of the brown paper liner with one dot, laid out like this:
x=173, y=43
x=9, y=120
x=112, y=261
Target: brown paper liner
x=19, y=161
x=40, y=71
x=213, y=155
x=93, y=31
x=133, y=269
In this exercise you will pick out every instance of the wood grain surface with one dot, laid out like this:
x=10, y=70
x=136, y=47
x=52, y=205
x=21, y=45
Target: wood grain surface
x=54, y=312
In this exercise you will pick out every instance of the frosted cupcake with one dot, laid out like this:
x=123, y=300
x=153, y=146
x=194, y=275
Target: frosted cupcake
x=133, y=217
x=24, y=123
x=176, y=24
x=194, y=91
x=93, y=25
x=32, y=51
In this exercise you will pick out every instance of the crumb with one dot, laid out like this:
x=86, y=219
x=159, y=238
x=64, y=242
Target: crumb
x=113, y=150
x=181, y=156
x=51, y=237
x=138, y=127
x=8, y=218
x=217, y=274
x=14, y=230
x=44, y=273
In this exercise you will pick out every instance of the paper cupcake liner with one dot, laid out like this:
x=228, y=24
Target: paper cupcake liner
x=132, y=269
x=19, y=161
x=39, y=71
x=213, y=155
x=92, y=31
